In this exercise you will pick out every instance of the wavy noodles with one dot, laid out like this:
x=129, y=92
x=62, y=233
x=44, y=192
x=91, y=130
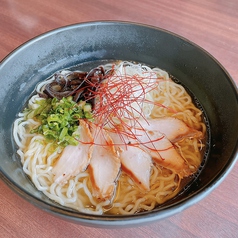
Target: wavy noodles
x=38, y=156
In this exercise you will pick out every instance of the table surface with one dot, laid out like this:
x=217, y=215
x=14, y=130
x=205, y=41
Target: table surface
x=212, y=24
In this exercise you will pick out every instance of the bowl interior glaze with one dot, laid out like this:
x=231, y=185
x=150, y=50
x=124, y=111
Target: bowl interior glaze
x=98, y=41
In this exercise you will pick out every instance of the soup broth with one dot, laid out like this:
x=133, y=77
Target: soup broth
x=116, y=138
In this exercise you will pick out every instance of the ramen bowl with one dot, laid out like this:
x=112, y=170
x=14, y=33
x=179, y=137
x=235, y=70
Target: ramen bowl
x=96, y=42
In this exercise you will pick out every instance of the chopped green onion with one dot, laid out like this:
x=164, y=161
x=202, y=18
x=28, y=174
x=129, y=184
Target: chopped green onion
x=59, y=119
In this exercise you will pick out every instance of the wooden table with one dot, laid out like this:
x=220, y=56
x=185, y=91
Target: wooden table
x=212, y=24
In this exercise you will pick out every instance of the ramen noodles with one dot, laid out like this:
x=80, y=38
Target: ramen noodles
x=118, y=139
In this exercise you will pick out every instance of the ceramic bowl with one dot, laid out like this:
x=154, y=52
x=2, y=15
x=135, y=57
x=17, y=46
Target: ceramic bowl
x=96, y=42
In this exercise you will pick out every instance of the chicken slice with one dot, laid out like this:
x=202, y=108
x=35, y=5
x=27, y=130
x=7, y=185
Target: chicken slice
x=134, y=160
x=173, y=128
x=104, y=166
x=74, y=159
x=137, y=164
x=163, y=152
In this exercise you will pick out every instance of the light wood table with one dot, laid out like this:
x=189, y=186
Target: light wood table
x=212, y=24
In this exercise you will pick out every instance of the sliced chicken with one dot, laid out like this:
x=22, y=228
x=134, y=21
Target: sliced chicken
x=173, y=128
x=105, y=164
x=74, y=159
x=137, y=164
x=163, y=152
x=134, y=161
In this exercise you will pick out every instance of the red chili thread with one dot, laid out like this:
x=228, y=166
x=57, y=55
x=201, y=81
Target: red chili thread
x=114, y=97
